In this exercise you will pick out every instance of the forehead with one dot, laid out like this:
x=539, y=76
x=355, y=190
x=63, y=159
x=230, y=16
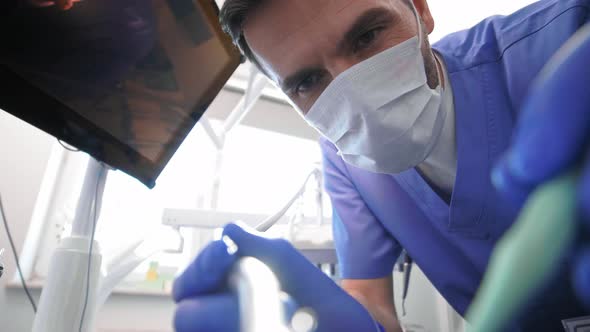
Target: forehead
x=284, y=34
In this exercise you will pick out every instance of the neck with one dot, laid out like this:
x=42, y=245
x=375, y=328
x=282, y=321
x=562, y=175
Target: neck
x=440, y=70
x=439, y=168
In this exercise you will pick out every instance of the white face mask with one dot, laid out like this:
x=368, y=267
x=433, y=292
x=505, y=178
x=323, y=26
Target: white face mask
x=381, y=114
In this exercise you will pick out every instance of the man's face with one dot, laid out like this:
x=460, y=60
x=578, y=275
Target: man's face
x=303, y=45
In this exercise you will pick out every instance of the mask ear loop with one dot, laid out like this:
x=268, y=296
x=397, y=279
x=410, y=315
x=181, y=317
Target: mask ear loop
x=421, y=40
x=420, y=32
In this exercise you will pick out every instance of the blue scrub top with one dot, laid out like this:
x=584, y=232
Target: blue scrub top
x=491, y=67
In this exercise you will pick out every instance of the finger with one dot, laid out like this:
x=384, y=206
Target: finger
x=513, y=190
x=208, y=313
x=251, y=242
x=206, y=274
x=296, y=274
x=555, y=120
x=290, y=306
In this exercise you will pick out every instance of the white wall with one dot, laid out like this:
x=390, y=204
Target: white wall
x=24, y=152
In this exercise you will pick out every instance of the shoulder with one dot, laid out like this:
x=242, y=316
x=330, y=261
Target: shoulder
x=490, y=39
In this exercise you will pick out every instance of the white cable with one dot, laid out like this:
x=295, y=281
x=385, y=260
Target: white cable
x=15, y=254
x=270, y=221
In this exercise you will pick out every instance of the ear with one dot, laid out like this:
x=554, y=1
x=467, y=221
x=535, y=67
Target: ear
x=424, y=12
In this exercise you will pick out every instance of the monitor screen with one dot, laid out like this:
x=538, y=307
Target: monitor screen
x=124, y=80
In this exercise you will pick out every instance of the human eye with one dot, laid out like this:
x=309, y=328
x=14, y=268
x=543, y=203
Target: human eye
x=308, y=84
x=366, y=39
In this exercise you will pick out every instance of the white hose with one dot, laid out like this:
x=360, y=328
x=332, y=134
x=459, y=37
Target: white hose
x=270, y=221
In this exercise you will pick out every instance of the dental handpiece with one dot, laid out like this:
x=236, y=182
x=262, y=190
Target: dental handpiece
x=259, y=297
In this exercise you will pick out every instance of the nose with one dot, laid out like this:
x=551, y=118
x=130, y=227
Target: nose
x=338, y=65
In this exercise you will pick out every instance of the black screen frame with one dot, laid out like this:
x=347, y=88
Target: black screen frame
x=26, y=101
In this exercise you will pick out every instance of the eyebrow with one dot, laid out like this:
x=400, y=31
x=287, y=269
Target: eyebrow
x=371, y=16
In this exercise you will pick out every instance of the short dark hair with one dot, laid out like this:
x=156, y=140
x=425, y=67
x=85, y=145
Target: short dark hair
x=232, y=16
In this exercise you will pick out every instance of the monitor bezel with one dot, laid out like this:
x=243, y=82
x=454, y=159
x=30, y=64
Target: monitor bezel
x=26, y=101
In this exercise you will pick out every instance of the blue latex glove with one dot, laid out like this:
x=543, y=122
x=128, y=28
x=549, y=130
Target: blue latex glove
x=553, y=136
x=204, y=303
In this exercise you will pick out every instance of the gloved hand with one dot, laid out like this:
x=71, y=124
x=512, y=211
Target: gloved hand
x=204, y=304
x=553, y=136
